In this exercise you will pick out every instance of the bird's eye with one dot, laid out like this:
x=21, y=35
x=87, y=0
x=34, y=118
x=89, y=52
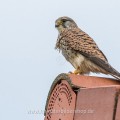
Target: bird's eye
x=63, y=20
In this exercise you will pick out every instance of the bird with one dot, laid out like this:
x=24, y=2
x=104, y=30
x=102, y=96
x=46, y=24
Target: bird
x=81, y=50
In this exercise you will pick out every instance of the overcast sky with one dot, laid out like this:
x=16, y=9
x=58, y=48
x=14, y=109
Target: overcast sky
x=28, y=61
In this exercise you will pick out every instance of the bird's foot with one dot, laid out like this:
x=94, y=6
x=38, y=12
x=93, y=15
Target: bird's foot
x=74, y=72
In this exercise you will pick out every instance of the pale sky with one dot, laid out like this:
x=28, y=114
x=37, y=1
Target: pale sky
x=28, y=61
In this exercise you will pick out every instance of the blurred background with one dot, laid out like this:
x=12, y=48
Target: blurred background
x=28, y=61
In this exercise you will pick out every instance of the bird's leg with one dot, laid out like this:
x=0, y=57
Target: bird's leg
x=76, y=71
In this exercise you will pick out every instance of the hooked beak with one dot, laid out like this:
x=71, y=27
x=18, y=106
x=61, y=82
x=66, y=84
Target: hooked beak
x=56, y=25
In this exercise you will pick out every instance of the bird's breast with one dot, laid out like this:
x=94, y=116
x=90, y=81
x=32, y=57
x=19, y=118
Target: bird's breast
x=73, y=57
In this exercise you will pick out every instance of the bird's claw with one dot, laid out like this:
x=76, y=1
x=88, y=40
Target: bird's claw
x=76, y=72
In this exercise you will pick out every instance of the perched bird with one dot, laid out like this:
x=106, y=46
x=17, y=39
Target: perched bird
x=80, y=49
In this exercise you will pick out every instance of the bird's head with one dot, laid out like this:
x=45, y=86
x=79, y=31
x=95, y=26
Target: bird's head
x=64, y=22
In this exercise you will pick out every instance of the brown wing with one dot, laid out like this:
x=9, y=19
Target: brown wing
x=82, y=42
x=79, y=41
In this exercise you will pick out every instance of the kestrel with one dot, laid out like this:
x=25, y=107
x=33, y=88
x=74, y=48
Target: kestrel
x=81, y=50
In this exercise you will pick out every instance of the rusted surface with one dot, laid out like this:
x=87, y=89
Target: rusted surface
x=96, y=103
x=77, y=81
x=58, y=80
x=91, y=81
x=118, y=109
x=61, y=103
x=96, y=98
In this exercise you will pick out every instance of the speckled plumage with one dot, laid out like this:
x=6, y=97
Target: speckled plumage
x=80, y=49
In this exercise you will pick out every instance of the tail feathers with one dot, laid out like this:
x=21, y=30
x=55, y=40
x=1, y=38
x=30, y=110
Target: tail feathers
x=114, y=73
x=102, y=64
x=106, y=66
x=117, y=76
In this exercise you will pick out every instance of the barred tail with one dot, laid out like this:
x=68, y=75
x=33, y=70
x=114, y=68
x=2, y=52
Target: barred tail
x=117, y=75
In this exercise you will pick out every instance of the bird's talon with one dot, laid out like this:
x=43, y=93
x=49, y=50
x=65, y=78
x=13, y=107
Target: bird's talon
x=76, y=72
x=70, y=72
